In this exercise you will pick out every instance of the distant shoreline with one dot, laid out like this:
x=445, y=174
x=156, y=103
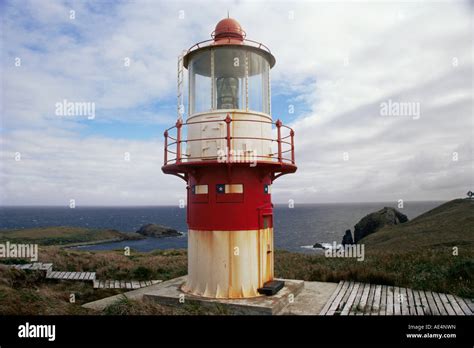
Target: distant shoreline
x=174, y=205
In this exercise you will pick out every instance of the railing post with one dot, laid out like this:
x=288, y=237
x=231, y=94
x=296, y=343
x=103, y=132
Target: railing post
x=292, y=134
x=166, y=148
x=179, y=123
x=227, y=121
x=278, y=125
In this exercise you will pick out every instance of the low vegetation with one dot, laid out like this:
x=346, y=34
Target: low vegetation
x=432, y=252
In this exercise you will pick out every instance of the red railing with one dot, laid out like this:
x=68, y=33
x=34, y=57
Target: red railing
x=285, y=144
x=246, y=42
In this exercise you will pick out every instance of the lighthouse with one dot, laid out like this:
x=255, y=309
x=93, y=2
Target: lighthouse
x=229, y=151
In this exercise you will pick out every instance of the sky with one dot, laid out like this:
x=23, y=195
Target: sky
x=340, y=64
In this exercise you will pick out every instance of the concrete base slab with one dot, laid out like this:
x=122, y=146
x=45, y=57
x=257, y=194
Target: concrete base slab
x=311, y=300
x=169, y=293
x=137, y=294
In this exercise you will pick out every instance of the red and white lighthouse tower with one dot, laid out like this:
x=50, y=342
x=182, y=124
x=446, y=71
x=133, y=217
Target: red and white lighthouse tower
x=229, y=151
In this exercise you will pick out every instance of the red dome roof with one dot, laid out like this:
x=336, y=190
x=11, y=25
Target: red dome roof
x=228, y=28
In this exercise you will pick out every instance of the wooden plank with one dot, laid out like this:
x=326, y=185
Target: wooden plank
x=337, y=300
x=326, y=306
x=404, y=301
x=117, y=284
x=439, y=303
x=457, y=309
x=47, y=266
x=346, y=296
x=383, y=301
x=447, y=304
x=432, y=303
x=418, y=303
x=353, y=309
x=397, y=308
x=135, y=284
x=92, y=275
x=363, y=300
x=77, y=275
x=350, y=300
x=101, y=284
x=66, y=275
x=424, y=303
x=128, y=285
x=418, y=306
x=470, y=304
x=27, y=266
x=390, y=300
x=72, y=275
x=411, y=302
x=465, y=308
x=370, y=300
x=377, y=297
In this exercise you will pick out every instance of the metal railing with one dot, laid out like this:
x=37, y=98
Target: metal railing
x=285, y=144
x=246, y=42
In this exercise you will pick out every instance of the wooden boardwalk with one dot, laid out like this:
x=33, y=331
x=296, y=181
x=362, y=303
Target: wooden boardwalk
x=37, y=266
x=353, y=298
x=84, y=276
x=123, y=284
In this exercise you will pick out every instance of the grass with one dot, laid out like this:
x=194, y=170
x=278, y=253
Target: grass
x=424, y=270
x=447, y=226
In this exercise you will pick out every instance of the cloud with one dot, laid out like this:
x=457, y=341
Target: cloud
x=336, y=62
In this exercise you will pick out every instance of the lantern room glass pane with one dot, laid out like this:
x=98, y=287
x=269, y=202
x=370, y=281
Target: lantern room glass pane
x=229, y=78
x=200, y=83
x=258, y=94
x=235, y=70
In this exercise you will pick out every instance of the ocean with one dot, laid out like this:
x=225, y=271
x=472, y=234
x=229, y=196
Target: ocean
x=294, y=228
